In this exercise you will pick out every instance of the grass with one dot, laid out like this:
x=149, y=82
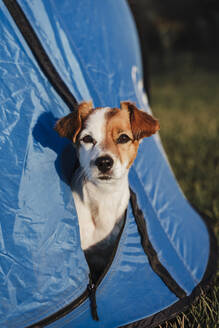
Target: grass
x=185, y=99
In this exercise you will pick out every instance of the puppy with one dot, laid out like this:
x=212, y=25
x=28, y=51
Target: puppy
x=106, y=141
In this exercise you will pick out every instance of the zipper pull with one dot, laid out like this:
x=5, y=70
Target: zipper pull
x=92, y=295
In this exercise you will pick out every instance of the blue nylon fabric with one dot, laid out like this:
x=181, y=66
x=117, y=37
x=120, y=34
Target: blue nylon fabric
x=42, y=267
x=127, y=287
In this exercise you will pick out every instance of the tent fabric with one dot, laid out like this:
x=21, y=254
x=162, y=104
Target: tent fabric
x=94, y=48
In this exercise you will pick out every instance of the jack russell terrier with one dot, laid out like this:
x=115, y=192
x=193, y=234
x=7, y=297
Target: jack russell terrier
x=106, y=141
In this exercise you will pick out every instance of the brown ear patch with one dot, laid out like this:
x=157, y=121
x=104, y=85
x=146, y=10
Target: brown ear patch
x=142, y=124
x=85, y=109
x=70, y=125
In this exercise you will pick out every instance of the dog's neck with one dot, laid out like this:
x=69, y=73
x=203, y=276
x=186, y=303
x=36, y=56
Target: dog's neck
x=100, y=206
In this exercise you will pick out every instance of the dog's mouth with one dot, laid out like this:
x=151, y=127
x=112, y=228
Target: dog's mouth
x=104, y=177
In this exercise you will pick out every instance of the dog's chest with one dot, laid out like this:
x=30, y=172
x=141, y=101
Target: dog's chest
x=98, y=212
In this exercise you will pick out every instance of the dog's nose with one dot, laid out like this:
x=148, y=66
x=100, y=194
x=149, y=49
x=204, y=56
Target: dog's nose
x=104, y=163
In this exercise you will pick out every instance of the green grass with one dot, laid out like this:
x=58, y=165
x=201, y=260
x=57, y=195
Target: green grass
x=185, y=99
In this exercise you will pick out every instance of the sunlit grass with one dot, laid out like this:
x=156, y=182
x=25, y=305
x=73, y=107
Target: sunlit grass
x=185, y=99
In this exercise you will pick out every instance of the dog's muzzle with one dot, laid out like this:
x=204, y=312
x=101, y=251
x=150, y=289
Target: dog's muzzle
x=104, y=163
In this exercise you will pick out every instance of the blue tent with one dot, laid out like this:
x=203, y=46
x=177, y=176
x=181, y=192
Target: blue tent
x=43, y=271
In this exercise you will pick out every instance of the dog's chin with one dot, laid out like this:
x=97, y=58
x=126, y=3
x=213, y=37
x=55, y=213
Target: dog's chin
x=108, y=179
x=104, y=179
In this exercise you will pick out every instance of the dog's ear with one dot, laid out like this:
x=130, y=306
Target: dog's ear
x=142, y=124
x=70, y=125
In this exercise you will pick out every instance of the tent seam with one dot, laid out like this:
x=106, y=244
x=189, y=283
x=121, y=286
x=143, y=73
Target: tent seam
x=166, y=233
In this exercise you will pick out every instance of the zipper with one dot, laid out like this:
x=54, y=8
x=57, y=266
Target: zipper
x=61, y=313
x=93, y=303
x=92, y=287
x=89, y=293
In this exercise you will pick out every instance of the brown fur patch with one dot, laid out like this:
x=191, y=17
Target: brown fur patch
x=142, y=124
x=118, y=122
x=70, y=125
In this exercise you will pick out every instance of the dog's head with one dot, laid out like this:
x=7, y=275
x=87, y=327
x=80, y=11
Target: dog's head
x=107, y=139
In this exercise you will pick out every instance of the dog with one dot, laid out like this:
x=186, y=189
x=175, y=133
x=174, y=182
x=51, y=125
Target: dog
x=106, y=141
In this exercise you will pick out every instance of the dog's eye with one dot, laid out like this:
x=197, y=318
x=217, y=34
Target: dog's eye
x=123, y=138
x=88, y=139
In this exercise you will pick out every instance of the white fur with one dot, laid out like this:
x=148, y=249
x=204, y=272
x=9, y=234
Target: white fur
x=99, y=207
x=100, y=204
x=95, y=127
